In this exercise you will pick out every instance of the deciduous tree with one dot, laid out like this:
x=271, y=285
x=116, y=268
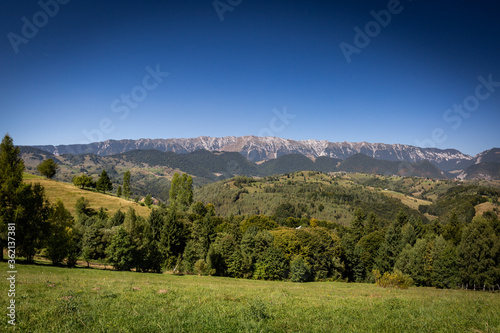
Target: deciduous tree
x=48, y=168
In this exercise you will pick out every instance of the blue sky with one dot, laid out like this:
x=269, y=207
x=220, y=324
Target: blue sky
x=85, y=74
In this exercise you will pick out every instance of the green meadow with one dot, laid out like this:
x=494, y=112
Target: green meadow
x=57, y=299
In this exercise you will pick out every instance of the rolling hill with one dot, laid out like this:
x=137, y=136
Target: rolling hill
x=69, y=194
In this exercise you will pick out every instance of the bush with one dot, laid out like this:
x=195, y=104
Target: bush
x=300, y=270
x=200, y=267
x=396, y=279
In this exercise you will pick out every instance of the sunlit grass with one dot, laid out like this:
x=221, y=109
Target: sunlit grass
x=69, y=194
x=72, y=300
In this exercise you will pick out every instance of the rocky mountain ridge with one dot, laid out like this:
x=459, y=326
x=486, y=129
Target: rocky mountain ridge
x=258, y=149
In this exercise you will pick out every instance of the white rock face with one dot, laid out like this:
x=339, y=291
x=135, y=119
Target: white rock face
x=263, y=148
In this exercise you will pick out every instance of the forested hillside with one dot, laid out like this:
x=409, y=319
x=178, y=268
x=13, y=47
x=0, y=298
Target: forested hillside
x=301, y=195
x=301, y=226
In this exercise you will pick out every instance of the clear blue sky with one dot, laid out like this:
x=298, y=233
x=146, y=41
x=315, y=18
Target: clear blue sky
x=225, y=77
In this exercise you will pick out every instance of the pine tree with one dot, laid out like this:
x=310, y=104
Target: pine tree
x=392, y=245
x=93, y=245
x=148, y=200
x=11, y=178
x=172, y=238
x=444, y=270
x=119, y=191
x=126, y=185
x=121, y=251
x=31, y=219
x=479, y=254
x=104, y=183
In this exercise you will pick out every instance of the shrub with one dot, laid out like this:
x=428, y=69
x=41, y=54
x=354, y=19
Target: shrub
x=300, y=270
x=200, y=267
x=396, y=279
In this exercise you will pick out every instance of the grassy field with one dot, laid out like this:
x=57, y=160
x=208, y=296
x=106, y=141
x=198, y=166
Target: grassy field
x=90, y=300
x=69, y=194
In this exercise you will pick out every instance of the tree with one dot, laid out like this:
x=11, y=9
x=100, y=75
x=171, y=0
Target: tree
x=11, y=178
x=148, y=200
x=126, y=185
x=104, y=183
x=31, y=218
x=479, y=254
x=272, y=265
x=93, y=244
x=444, y=269
x=121, y=251
x=48, y=168
x=59, y=240
x=83, y=211
x=119, y=191
x=83, y=181
x=181, y=191
x=392, y=246
x=172, y=237
x=117, y=219
x=300, y=271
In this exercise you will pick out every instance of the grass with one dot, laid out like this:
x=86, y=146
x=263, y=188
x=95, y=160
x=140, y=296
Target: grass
x=71, y=300
x=411, y=202
x=69, y=193
x=487, y=206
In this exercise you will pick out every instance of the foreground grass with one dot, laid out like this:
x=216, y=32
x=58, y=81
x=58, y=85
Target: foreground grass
x=69, y=193
x=88, y=300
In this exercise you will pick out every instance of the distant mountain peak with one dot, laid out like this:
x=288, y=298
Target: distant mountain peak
x=258, y=149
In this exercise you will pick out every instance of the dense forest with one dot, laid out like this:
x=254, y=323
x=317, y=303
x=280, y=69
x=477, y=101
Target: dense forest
x=305, y=226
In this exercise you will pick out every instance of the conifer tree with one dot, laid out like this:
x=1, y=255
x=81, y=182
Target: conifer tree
x=11, y=178
x=126, y=185
x=104, y=183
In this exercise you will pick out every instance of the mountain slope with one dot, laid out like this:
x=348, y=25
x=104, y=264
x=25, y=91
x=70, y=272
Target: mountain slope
x=483, y=170
x=365, y=164
x=259, y=149
x=492, y=155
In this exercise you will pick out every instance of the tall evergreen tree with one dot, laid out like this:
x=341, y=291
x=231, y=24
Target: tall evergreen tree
x=31, y=217
x=126, y=184
x=121, y=251
x=479, y=254
x=172, y=238
x=444, y=268
x=104, y=183
x=392, y=245
x=59, y=240
x=11, y=178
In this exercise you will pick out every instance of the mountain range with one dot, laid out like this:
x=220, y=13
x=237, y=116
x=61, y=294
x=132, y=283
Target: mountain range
x=259, y=149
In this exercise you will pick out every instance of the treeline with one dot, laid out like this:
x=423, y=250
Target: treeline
x=196, y=241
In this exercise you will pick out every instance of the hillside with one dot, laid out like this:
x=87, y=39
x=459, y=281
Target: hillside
x=482, y=170
x=69, y=194
x=152, y=169
x=361, y=163
x=299, y=195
